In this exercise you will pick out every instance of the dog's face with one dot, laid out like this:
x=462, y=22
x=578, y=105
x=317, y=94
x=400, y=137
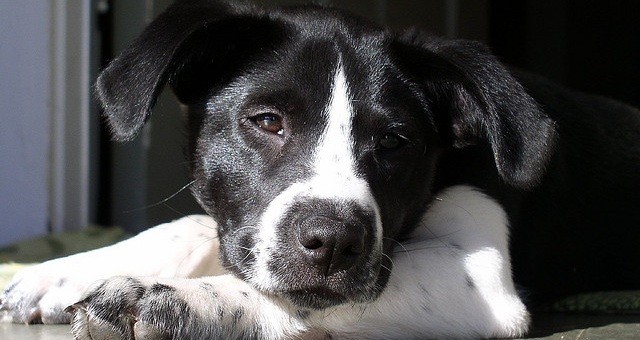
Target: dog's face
x=305, y=157
x=314, y=136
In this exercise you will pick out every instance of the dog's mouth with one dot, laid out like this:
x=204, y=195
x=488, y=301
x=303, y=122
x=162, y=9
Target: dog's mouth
x=315, y=292
x=288, y=276
x=315, y=297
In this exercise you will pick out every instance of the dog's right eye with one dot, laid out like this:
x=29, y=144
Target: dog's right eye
x=269, y=122
x=391, y=141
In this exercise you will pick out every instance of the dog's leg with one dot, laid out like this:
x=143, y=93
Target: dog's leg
x=452, y=279
x=187, y=247
x=220, y=307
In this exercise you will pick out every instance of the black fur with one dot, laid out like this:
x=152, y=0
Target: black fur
x=565, y=165
x=114, y=302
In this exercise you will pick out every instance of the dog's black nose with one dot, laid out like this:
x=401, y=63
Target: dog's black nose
x=330, y=245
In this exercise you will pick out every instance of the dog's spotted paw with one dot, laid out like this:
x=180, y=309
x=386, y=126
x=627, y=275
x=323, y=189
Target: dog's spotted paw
x=143, y=308
x=111, y=310
x=39, y=294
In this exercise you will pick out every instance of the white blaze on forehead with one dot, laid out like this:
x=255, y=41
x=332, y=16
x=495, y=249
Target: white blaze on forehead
x=334, y=159
x=335, y=178
x=336, y=175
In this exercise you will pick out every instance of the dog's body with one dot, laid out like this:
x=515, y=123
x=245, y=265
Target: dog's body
x=363, y=184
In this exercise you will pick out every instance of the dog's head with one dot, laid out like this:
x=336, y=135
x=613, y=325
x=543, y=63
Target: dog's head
x=314, y=135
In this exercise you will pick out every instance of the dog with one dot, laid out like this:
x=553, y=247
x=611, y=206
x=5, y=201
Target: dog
x=359, y=183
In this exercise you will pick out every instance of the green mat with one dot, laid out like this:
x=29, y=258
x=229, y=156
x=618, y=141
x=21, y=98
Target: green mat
x=17, y=256
x=61, y=244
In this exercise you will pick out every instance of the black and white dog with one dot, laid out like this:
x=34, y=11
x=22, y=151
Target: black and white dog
x=360, y=183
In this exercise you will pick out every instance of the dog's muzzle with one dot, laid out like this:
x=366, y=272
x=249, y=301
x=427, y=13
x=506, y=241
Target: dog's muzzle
x=331, y=244
x=324, y=253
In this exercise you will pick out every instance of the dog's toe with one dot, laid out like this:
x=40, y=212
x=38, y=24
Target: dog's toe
x=85, y=326
x=19, y=303
x=145, y=331
x=114, y=310
x=108, y=311
x=38, y=297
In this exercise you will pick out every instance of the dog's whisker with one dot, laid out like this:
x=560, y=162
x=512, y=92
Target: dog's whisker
x=249, y=252
x=388, y=257
x=204, y=242
x=190, y=217
x=441, y=199
x=395, y=241
x=385, y=267
x=162, y=201
x=412, y=241
x=444, y=246
x=440, y=238
x=243, y=228
x=363, y=310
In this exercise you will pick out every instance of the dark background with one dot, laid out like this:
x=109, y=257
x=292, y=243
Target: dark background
x=588, y=45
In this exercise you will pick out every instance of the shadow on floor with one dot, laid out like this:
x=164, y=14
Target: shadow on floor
x=585, y=326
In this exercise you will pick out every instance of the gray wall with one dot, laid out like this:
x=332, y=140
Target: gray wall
x=25, y=111
x=47, y=122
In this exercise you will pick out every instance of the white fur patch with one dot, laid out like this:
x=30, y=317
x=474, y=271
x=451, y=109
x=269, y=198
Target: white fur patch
x=334, y=163
x=187, y=247
x=335, y=178
x=452, y=279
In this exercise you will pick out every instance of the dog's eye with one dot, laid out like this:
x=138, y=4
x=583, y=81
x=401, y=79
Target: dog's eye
x=391, y=141
x=269, y=122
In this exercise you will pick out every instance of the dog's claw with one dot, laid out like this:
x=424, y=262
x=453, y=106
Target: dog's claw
x=131, y=313
x=73, y=309
x=35, y=316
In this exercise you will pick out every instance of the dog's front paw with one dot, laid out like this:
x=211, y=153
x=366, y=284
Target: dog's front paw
x=39, y=294
x=210, y=308
x=111, y=310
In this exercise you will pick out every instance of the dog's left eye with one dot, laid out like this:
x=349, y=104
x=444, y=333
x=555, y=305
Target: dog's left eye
x=269, y=122
x=391, y=141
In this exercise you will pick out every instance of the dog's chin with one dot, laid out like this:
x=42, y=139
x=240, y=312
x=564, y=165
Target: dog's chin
x=315, y=298
x=321, y=293
x=322, y=296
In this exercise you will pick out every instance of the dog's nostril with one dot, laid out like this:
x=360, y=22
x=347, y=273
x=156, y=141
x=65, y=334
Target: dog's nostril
x=312, y=244
x=330, y=245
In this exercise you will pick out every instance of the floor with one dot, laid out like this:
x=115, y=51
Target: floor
x=550, y=326
x=583, y=326
x=34, y=332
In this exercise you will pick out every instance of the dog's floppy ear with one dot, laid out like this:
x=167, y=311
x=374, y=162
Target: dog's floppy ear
x=475, y=100
x=193, y=45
